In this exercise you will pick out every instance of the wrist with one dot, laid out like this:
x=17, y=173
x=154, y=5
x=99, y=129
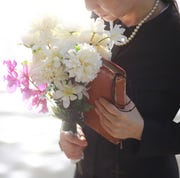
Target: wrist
x=77, y=160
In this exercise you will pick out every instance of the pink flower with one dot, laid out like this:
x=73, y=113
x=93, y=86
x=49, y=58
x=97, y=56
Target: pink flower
x=12, y=76
x=38, y=101
x=24, y=77
x=44, y=107
x=10, y=64
x=37, y=97
x=35, y=94
x=27, y=93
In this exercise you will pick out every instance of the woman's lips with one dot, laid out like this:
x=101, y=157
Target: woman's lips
x=100, y=14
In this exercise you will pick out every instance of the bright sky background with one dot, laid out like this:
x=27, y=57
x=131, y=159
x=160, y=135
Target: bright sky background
x=16, y=16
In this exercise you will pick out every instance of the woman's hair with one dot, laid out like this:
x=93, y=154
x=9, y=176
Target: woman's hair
x=173, y=2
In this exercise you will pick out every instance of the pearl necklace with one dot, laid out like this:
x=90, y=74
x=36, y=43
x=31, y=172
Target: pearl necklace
x=126, y=41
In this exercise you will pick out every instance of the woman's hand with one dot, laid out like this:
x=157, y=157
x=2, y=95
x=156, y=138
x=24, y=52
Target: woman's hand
x=117, y=123
x=73, y=145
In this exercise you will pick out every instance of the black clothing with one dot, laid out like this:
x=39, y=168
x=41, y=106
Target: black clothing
x=152, y=63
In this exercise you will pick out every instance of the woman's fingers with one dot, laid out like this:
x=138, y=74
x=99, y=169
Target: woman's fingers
x=78, y=139
x=110, y=108
x=118, y=123
x=72, y=144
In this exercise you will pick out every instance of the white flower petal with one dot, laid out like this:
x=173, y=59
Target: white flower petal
x=73, y=97
x=58, y=94
x=66, y=102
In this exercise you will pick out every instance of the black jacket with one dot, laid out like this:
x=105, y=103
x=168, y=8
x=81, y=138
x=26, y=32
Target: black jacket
x=152, y=63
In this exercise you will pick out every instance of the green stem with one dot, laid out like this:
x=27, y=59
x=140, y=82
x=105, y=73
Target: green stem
x=69, y=126
x=102, y=40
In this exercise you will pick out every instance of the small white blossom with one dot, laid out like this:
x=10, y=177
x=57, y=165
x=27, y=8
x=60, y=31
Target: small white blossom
x=68, y=92
x=47, y=71
x=97, y=25
x=116, y=34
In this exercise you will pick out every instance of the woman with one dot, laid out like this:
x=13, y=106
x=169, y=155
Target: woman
x=150, y=56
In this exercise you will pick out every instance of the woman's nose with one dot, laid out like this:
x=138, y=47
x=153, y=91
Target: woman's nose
x=91, y=4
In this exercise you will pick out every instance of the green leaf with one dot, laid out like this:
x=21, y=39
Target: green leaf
x=77, y=48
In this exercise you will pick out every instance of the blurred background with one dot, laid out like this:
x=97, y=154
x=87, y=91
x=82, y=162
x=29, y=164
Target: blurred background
x=29, y=141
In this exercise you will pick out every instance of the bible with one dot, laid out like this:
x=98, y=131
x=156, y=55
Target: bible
x=110, y=84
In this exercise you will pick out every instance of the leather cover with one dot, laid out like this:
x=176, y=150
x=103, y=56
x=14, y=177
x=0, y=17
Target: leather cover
x=110, y=84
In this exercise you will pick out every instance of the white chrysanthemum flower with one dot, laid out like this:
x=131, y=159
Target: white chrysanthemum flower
x=64, y=34
x=83, y=64
x=44, y=52
x=68, y=33
x=43, y=32
x=53, y=53
x=68, y=92
x=38, y=40
x=64, y=45
x=45, y=24
x=38, y=56
x=85, y=37
x=48, y=71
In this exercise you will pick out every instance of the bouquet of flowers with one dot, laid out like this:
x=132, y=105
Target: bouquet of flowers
x=65, y=58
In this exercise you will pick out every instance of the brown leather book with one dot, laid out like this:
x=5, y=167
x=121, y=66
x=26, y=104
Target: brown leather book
x=111, y=85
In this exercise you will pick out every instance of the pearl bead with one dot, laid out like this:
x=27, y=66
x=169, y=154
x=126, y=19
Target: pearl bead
x=133, y=34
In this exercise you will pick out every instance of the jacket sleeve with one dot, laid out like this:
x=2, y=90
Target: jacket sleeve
x=161, y=135
x=160, y=139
